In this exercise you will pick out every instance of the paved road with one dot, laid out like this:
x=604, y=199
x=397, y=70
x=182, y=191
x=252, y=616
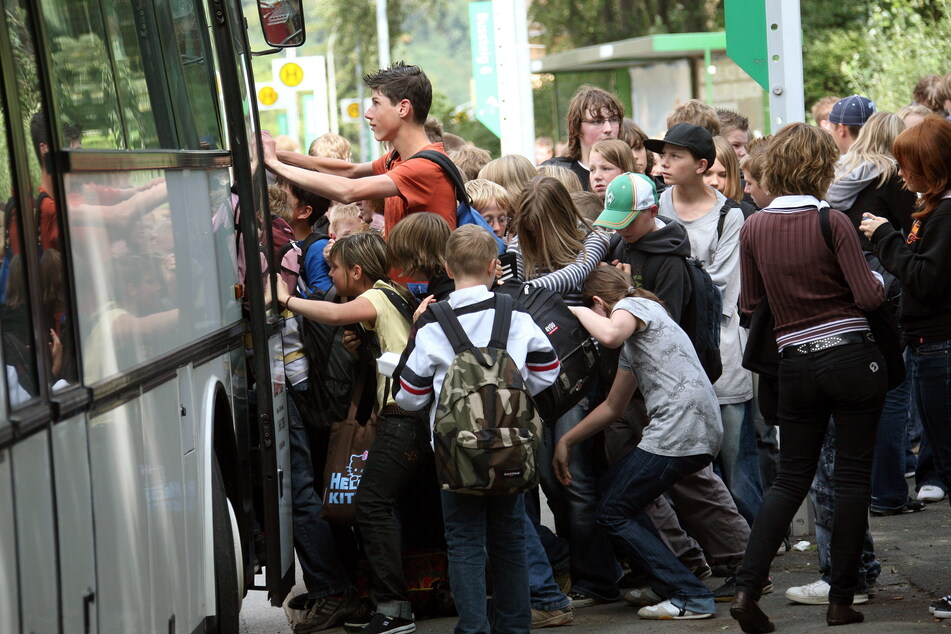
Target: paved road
x=915, y=551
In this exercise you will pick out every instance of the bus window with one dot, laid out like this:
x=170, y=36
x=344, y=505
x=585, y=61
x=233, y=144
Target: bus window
x=190, y=58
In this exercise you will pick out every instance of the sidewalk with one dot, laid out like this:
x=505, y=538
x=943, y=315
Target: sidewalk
x=915, y=551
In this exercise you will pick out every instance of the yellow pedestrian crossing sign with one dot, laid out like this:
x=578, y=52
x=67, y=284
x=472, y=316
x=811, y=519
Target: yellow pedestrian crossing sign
x=291, y=74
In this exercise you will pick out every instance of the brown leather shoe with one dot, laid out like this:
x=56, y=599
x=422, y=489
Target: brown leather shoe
x=843, y=615
x=748, y=614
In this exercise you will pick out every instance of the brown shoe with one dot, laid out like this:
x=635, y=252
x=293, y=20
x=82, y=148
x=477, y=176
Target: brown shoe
x=843, y=615
x=748, y=614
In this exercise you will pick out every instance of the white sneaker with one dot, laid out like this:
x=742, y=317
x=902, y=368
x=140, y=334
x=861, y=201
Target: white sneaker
x=665, y=610
x=931, y=493
x=817, y=593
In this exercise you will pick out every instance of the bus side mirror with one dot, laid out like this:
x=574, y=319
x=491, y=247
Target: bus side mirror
x=282, y=22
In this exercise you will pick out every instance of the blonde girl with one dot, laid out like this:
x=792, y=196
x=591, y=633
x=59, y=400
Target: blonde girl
x=724, y=174
x=511, y=171
x=607, y=160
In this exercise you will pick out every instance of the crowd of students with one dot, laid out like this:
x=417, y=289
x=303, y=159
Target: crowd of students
x=665, y=473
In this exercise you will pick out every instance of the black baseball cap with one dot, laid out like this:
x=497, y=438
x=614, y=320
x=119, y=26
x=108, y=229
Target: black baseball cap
x=687, y=135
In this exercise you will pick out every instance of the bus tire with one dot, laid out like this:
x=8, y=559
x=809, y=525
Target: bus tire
x=227, y=584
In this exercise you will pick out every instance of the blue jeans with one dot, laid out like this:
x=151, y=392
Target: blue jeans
x=738, y=462
x=324, y=574
x=823, y=500
x=594, y=570
x=889, y=489
x=546, y=595
x=630, y=485
x=493, y=524
x=933, y=393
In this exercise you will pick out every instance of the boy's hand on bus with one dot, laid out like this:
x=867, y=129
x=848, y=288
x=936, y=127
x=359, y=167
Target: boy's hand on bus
x=560, y=462
x=270, y=146
x=423, y=305
x=56, y=354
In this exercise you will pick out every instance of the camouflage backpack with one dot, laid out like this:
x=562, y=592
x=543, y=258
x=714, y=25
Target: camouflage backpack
x=486, y=432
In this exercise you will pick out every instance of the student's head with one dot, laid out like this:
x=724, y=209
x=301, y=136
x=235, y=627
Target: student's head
x=471, y=252
x=607, y=285
x=697, y=113
x=344, y=220
x=306, y=206
x=544, y=149
x=943, y=93
x=735, y=128
x=433, y=129
x=493, y=202
x=588, y=204
x=593, y=114
x=562, y=174
x=925, y=93
x=847, y=117
x=278, y=202
x=548, y=226
x=470, y=160
x=753, y=166
x=608, y=159
x=913, y=115
x=286, y=143
x=686, y=153
x=511, y=171
x=924, y=161
x=358, y=261
x=330, y=145
x=724, y=174
x=873, y=146
x=800, y=160
x=820, y=112
x=417, y=244
x=405, y=88
x=630, y=206
x=633, y=135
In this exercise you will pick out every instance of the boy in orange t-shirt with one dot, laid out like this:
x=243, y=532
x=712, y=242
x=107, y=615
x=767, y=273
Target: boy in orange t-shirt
x=402, y=96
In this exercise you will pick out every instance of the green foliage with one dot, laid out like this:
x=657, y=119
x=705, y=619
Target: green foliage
x=904, y=40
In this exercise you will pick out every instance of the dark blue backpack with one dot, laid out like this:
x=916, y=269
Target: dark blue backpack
x=466, y=214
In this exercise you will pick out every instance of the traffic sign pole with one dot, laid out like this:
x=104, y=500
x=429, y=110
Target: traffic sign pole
x=784, y=49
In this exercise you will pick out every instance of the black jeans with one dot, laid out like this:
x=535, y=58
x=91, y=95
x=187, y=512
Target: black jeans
x=400, y=445
x=848, y=383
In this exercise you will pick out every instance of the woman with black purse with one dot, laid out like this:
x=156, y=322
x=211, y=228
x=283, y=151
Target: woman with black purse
x=922, y=261
x=829, y=364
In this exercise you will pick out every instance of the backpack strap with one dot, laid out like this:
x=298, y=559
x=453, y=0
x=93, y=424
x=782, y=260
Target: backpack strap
x=389, y=160
x=826, y=227
x=724, y=210
x=399, y=303
x=502, y=324
x=451, y=171
x=450, y=325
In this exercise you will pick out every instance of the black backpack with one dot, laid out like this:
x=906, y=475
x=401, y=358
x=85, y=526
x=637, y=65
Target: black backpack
x=574, y=346
x=703, y=309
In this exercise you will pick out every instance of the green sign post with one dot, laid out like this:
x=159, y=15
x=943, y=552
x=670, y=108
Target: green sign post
x=746, y=37
x=484, y=72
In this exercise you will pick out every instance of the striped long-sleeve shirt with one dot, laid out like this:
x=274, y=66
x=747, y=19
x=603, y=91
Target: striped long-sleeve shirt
x=813, y=293
x=569, y=280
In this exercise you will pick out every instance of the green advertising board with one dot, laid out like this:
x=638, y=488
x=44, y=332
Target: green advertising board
x=484, y=73
x=746, y=37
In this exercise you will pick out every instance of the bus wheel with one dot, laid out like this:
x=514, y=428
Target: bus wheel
x=228, y=583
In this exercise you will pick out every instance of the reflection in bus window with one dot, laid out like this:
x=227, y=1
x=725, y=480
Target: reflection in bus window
x=146, y=274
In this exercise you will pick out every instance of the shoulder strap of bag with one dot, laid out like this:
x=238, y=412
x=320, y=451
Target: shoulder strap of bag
x=502, y=324
x=451, y=171
x=389, y=160
x=826, y=227
x=451, y=327
x=724, y=210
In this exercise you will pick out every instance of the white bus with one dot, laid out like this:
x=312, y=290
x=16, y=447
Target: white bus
x=143, y=440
